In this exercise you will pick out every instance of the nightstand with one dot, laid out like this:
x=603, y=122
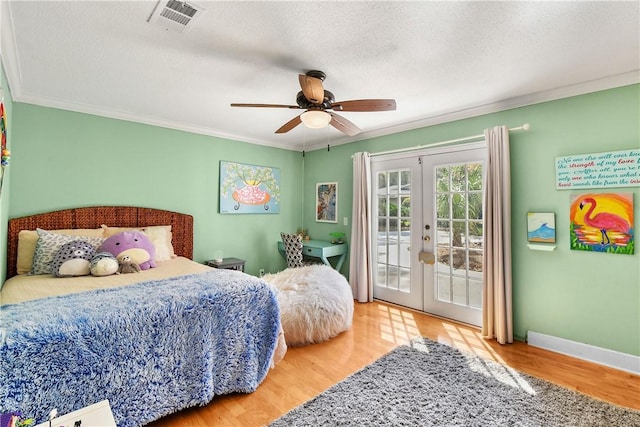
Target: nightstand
x=227, y=263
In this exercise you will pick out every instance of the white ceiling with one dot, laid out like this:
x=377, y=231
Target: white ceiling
x=439, y=60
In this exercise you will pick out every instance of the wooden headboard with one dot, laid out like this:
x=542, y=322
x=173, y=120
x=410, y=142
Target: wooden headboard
x=94, y=217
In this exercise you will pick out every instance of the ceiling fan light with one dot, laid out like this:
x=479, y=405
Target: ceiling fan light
x=315, y=119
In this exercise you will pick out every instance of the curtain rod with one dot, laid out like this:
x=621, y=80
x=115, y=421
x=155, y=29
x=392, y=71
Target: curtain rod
x=524, y=127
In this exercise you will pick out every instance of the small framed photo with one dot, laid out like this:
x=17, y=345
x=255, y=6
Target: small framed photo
x=541, y=227
x=327, y=202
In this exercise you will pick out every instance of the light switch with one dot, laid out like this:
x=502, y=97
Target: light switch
x=345, y=221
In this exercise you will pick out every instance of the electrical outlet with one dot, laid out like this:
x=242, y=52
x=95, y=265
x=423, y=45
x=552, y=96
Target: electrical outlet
x=345, y=221
x=261, y=272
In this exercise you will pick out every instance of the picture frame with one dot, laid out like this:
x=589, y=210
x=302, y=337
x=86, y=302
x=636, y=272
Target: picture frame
x=327, y=202
x=602, y=222
x=541, y=227
x=249, y=189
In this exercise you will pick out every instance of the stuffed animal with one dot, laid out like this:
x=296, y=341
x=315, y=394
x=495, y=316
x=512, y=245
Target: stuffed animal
x=127, y=266
x=103, y=264
x=134, y=244
x=72, y=259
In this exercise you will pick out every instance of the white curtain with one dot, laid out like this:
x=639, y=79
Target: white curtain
x=497, y=319
x=360, y=270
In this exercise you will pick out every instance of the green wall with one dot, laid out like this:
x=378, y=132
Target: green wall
x=63, y=159
x=591, y=298
x=5, y=177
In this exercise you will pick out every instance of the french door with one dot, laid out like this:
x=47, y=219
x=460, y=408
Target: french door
x=428, y=226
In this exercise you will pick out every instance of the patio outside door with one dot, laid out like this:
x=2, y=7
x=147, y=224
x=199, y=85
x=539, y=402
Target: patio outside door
x=431, y=202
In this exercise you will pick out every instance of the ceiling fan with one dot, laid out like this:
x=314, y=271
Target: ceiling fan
x=316, y=101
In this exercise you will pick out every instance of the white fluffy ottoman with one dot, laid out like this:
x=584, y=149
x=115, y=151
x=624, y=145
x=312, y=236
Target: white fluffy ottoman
x=316, y=303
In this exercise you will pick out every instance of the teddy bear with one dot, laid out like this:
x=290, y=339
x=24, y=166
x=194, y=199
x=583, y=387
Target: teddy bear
x=134, y=244
x=128, y=266
x=72, y=259
x=103, y=264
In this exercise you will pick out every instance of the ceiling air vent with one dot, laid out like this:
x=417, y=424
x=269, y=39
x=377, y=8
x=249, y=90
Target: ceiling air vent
x=175, y=15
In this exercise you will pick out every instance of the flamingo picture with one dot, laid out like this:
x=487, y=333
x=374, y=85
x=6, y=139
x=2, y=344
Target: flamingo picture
x=604, y=221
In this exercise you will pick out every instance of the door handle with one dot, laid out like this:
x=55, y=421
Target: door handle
x=426, y=257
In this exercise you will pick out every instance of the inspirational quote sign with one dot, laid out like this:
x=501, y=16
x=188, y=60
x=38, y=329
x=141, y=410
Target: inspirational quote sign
x=611, y=169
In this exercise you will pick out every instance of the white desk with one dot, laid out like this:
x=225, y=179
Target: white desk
x=321, y=249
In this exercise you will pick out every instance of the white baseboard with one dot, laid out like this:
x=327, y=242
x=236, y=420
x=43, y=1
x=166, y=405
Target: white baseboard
x=614, y=359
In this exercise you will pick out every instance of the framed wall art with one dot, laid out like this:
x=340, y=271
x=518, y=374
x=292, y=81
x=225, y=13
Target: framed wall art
x=249, y=189
x=327, y=202
x=602, y=222
x=541, y=227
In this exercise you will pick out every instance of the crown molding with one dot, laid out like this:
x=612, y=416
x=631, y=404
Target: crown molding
x=610, y=82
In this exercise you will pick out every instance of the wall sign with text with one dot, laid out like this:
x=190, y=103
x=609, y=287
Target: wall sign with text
x=611, y=169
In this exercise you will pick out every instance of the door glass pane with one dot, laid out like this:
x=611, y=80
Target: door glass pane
x=442, y=206
x=405, y=279
x=458, y=233
x=442, y=179
x=459, y=285
x=475, y=235
x=458, y=178
x=405, y=182
x=475, y=293
x=392, y=280
x=443, y=288
x=475, y=206
x=382, y=183
x=382, y=207
x=458, y=206
x=474, y=172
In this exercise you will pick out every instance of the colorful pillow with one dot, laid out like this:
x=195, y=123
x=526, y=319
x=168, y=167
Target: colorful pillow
x=47, y=246
x=27, y=240
x=160, y=236
x=72, y=259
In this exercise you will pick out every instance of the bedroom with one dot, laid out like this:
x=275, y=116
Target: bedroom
x=582, y=297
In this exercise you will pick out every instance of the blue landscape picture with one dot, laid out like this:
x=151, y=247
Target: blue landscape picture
x=541, y=227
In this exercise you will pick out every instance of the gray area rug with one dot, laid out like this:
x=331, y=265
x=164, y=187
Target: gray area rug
x=431, y=384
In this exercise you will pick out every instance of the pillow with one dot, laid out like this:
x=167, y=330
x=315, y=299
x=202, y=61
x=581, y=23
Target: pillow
x=160, y=236
x=27, y=244
x=48, y=244
x=72, y=259
x=110, y=231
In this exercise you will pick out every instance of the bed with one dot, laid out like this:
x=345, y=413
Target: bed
x=152, y=343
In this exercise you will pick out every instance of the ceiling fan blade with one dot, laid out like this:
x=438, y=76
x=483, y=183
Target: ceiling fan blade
x=343, y=125
x=365, y=105
x=312, y=88
x=266, y=106
x=290, y=125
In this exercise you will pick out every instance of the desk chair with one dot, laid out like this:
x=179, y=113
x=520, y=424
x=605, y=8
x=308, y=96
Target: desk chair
x=293, y=250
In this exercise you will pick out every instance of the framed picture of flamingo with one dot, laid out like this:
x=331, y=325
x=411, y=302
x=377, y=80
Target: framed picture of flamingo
x=602, y=222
